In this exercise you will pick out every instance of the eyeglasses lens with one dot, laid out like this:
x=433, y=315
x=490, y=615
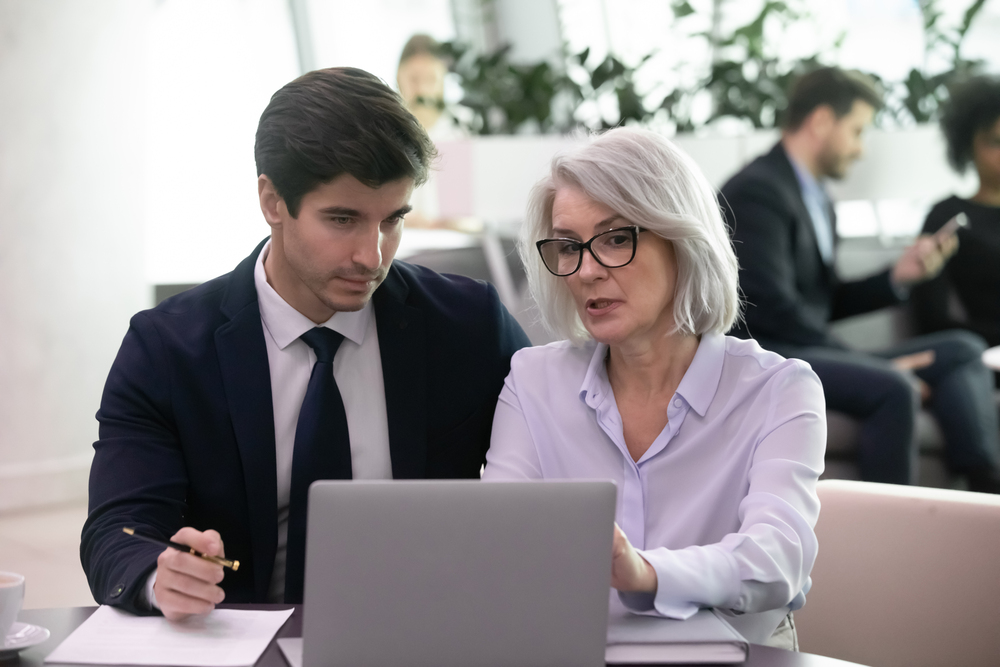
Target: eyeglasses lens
x=613, y=248
x=561, y=257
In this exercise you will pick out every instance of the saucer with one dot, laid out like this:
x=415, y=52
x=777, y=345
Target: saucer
x=21, y=636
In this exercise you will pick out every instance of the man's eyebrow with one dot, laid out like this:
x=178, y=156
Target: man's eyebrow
x=354, y=213
x=340, y=210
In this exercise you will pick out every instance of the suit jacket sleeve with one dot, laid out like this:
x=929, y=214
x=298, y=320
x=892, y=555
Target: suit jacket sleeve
x=138, y=477
x=510, y=339
x=863, y=296
x=855, y=297
x=765, y=244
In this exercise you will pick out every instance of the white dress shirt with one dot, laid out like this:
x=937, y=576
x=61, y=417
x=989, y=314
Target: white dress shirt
x=722, y=504
x=818, y=204
x=357, y=367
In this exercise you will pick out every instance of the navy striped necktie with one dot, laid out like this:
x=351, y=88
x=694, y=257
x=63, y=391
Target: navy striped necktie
x=322, y=450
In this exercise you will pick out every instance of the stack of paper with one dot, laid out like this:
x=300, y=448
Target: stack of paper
x=703, y=638
x=224, y=638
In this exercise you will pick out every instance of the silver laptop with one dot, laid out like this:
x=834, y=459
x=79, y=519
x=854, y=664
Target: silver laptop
x=457, y=573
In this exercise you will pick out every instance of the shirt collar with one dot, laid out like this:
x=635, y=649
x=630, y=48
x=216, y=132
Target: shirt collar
x=701, y=381
x=807, y=181
x=698, y=386
x=595, y=384
x=286, y=325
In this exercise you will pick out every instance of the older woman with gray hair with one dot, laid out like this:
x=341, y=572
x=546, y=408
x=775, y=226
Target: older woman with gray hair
x=715, y=444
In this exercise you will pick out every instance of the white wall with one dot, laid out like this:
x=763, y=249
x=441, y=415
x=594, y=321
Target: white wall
x=71, y=230
x=901, y=172
x=886, y=194
x=531, y=27
x=371, y=34
x=211, y=68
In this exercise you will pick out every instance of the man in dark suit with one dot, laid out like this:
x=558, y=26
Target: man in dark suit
x=784, y=230
x=318, y=357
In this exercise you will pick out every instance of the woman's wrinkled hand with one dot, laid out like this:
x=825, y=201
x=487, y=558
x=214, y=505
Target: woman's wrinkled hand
x=630, y=572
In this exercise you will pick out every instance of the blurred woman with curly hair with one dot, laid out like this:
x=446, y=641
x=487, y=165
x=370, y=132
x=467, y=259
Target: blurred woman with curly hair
x=966, y=294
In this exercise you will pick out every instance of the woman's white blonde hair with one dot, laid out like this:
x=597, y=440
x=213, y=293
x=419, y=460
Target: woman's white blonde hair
x=651, y=183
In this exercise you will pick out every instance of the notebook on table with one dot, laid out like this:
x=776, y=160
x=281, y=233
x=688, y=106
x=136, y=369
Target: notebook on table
x=453, y=573
x=705, y=638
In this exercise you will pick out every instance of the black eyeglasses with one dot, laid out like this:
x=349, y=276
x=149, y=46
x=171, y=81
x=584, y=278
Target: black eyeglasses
x=612, y=249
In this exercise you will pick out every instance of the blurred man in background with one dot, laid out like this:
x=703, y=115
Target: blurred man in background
x=784, y=229
x=420, y=79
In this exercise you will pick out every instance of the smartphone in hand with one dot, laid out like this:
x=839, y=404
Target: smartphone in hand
x=951, y=228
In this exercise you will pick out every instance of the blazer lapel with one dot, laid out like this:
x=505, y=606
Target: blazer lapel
x=802, y=214
x=247, y=380
x=832, y=215
x=401, y=338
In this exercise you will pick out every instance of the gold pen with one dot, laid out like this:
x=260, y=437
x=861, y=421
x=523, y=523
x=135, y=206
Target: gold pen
x=231, y=564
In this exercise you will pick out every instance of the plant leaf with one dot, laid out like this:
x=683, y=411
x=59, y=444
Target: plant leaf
x=970, y=15
x=681, y=8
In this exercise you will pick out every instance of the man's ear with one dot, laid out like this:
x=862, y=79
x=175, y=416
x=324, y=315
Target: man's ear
x=821, y=121
x=271, y=203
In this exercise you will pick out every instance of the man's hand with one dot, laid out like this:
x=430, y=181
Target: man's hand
x=186, y=584
x=924, y=259
x=914, y=362
x=630, y=573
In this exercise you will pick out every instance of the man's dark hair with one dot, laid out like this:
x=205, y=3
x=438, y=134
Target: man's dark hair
x=974, y=106
x=833, y=87
x=338, y=121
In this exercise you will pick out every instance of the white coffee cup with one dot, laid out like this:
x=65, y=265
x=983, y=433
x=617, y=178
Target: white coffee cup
x=11, y=597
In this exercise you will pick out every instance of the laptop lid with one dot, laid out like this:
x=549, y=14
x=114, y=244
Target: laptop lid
x=457, y=573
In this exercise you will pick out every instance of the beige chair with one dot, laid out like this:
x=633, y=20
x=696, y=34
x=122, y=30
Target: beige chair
x=905, y=576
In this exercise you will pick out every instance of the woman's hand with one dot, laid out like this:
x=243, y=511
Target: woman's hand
x=924, y=259
x=630, y=573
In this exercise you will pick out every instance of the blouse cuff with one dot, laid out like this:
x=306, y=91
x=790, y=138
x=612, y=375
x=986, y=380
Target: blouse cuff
x=638, y=603
x=687, y=580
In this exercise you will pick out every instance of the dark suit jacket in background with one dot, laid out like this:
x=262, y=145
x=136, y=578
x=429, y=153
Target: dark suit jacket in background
x=187, y=428
x=791, y=293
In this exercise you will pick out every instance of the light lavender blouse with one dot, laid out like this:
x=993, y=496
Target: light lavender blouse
x=722, y=504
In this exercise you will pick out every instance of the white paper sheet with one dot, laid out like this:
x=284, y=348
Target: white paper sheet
x=224, y=638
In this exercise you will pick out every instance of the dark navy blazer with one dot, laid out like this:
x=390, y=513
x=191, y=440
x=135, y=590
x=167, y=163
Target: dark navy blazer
x=187, y=428
x=791, y=293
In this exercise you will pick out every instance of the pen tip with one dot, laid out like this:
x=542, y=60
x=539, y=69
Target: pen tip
x=130, y=531
x=236, y=565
